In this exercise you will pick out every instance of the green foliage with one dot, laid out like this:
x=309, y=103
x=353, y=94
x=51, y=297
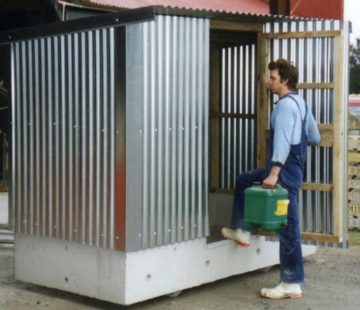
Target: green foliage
x=355, y=68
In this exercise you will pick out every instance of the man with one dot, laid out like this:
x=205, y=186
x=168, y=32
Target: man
x=292, y=128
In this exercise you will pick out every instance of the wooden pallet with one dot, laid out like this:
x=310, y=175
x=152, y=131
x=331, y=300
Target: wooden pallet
x=354, y=196
x=354, y=184
x=353, y=221
x=354, y=171
x=354, y=157
x=353, y=123
x=354, y=209
x=354, y=143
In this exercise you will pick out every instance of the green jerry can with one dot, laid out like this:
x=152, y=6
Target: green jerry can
x=266, y=208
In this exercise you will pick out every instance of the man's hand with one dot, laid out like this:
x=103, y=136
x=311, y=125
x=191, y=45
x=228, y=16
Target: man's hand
x=272, y=178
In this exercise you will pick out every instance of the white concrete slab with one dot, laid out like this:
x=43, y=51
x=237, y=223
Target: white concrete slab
x=127, y=278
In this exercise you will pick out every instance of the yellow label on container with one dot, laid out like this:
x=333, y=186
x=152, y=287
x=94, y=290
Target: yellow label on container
x=282, y=207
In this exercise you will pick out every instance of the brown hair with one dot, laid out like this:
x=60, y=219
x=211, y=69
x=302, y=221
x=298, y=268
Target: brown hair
x=286, y=71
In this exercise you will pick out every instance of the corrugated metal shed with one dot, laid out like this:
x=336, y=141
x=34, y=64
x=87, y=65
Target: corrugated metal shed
x=235, y=6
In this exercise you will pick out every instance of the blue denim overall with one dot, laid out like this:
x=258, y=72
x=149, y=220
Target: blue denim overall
x=290, y=177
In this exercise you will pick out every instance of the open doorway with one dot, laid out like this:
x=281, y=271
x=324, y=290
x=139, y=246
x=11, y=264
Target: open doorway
x=232, y=146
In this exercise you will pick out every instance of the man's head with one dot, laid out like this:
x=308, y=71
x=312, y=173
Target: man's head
x=283, y=76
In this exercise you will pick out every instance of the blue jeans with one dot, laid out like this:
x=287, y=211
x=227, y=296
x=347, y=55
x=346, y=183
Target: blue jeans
x=291, y=260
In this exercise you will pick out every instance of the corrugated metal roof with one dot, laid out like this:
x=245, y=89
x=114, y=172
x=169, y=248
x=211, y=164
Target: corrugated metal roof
x=220, y=15
x=133, y=15
x=231, y=6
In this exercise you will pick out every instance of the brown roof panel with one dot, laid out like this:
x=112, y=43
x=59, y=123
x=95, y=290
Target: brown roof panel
x=319, y=9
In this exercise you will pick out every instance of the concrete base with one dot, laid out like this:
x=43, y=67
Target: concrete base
x=127, y=278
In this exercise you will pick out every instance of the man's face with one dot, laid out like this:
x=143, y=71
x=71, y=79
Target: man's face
x=275, y=84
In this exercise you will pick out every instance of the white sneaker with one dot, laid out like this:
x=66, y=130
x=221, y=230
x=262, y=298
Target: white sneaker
x=283, y=290
x=240, y=236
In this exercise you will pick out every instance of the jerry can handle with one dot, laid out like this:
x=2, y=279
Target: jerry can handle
x=277, y=185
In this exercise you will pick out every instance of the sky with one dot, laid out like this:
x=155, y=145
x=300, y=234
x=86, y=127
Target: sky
x=352, y=13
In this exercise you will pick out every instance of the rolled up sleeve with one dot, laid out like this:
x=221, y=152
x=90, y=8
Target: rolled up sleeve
x=312, y=130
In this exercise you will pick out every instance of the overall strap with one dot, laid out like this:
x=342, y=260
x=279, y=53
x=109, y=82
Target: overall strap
x=306, y=108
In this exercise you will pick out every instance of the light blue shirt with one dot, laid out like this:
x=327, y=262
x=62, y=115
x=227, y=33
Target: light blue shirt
x=286, y=123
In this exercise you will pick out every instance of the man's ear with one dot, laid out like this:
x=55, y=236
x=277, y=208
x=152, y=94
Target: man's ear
x=285, y=82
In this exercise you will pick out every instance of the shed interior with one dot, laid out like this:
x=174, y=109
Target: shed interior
x=232, y=141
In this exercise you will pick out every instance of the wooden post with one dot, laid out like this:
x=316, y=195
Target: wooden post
x=280, y=7
x=262, y=107
x=338, y=149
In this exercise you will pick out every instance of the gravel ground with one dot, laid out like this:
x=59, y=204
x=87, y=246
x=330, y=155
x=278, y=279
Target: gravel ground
x=333, y=282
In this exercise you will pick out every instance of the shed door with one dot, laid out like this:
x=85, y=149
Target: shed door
x=319, y=50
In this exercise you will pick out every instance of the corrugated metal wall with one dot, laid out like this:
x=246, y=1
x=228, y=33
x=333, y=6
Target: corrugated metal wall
x=238, y=98
x=63, y=137
x=315, y=59
x=167, y=159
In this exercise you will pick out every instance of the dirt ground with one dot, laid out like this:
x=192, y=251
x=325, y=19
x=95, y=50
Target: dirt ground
x=333, y=282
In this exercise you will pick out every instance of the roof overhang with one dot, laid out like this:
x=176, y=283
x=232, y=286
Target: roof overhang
x=131, y=16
